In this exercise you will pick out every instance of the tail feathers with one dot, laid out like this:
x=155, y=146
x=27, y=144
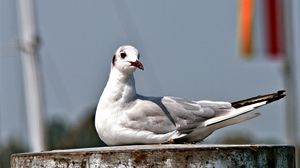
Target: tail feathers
x=234, y=113
x=202, y=132
x=261, y=98
x=234, y=120
x=244, y=106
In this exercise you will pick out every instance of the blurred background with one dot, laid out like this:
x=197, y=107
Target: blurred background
x=55, y=59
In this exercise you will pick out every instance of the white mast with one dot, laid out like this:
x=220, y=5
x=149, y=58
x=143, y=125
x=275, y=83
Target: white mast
x=290, y=75
x=30, y=65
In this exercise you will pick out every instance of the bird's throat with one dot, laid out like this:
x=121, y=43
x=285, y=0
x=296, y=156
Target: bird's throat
x=120, y=87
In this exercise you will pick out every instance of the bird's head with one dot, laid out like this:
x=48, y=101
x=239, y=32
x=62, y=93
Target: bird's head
x=126, y=59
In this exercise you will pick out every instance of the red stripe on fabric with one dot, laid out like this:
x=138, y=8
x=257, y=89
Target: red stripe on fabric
x=274, y=28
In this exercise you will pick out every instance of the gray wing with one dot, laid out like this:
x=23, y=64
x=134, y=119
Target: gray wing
x=189, y=115
x=162, y=115
x=148, y=114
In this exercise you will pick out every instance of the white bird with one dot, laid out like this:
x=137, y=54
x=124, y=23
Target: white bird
x=125, y=117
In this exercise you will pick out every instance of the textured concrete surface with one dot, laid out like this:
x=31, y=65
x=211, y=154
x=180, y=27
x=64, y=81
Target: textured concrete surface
x=206, y=156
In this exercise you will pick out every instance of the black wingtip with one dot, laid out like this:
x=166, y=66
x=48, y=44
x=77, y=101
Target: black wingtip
x=281, y=92
x=268, y=97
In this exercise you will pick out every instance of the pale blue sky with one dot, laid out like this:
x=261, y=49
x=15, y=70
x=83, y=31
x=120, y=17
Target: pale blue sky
x=189, y=49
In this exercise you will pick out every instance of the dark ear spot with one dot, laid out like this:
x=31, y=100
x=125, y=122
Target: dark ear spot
x=114, y=59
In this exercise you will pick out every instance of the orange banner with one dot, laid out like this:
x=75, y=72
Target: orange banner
x=246, y=12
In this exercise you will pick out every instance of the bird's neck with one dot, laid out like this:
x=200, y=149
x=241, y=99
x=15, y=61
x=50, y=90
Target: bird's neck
x=120, y=87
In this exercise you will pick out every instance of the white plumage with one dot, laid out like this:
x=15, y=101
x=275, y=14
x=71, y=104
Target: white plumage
x=125, y=117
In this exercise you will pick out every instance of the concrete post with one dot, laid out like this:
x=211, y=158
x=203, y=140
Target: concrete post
x=206, y=156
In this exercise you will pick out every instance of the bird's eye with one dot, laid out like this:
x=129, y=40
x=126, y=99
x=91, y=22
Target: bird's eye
x=123, y=55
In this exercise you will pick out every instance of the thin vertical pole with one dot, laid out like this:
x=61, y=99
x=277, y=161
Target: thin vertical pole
x=30, y=65
x=290, y=78
x=290, y=75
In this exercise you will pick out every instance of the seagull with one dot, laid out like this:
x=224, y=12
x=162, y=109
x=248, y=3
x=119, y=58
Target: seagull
x=124, y=117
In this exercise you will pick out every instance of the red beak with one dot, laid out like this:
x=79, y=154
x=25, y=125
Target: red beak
x=137, y=64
